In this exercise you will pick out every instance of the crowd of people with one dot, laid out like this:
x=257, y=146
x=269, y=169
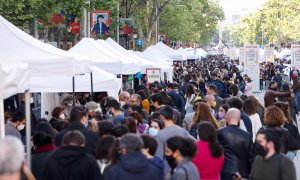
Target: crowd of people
x=205, y=125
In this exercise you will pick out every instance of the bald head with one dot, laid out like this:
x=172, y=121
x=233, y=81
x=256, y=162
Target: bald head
x=233, y=116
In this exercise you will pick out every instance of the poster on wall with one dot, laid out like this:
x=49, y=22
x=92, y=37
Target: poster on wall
x=100, y=22
x=296, y=56
x=251, y=66
x=153, y=74
x=232, y=54
x=251, y=55
x=269, y=54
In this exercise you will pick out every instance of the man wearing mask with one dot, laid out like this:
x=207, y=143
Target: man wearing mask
x=213, y=90
x=272, y=93
x=79, y=121
x=15, y=125
x=113, y=108
x=124, y=98
x=270, y=164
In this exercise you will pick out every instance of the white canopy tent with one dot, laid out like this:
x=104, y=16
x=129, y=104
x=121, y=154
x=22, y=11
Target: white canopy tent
x=154, y=52
x=144, y=63
x=171, y=53
x=14, y=78
x=103, y=81
x=200, y=52
x=188, y=54
x=100, y=57
x=165, y=68
x=43, y=59
x=132, y=65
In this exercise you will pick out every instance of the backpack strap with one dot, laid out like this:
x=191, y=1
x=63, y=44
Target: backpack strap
x=279, y=167
x=186, y=173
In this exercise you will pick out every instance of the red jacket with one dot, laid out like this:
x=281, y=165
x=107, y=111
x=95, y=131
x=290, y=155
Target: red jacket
x=209, y=167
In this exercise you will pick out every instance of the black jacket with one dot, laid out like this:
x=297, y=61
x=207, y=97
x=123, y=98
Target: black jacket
x=237, y=146
x=71, y=163
x=132, y=166
x=91, y=137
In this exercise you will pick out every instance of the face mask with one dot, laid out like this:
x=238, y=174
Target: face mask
x=122, y=103
x=153, y=131
x=221, y=114
x=62, y=116
x=171, y=161
x=21, y=127
x=109, y=114
x=274, y=89
x=70, y=104
x=259, y=149
x=214, y=104
x=31, y=100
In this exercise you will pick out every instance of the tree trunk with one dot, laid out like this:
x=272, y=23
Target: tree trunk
x=46, y=34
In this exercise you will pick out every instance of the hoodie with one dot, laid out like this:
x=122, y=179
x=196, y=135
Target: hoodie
x=134, y=165
x=71, y=163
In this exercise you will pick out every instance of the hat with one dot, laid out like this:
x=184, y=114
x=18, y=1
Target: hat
x=91, y=106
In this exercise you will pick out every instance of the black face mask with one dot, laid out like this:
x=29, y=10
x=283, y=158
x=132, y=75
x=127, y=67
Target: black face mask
x=171, y=161
x=259, y=150
x=274, y=89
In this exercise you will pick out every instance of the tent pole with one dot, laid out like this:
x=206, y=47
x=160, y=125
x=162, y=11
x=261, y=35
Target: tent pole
x=73, y=83
x=122, y=82
x=92, y=86
x=2, y=123
x=28, y=128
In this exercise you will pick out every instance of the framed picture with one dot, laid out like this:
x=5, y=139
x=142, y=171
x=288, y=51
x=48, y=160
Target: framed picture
x=127, y=26
x=100, y=22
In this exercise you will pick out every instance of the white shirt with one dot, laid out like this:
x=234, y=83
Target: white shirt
x=256, y=124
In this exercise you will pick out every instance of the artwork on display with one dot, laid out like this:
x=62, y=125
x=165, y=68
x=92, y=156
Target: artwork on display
x=153, y=74
x=127, y=26
x=296, y=56
x=251, y=66
x=100, y=22
x=269, y=54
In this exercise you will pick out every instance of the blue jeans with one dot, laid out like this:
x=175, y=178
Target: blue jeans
x=297, y=100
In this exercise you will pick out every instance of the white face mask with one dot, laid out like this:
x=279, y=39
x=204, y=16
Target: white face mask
x=21, y=127
x=70, y=104
x=62, y=116
x=31, y=100
x=122, y=103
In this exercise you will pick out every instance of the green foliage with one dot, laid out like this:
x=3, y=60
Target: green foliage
x=276, y=22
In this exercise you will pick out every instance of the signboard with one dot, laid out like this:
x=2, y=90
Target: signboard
x=296, y=56
x=251, y=66
x=153, y=74
x=232, y=53
x=269, y=54
x=139, y=42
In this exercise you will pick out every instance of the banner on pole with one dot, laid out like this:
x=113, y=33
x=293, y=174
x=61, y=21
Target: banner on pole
x=153, y=74
x=269, y=54
x=251, y=66
x=242, y=55
x=296, y=56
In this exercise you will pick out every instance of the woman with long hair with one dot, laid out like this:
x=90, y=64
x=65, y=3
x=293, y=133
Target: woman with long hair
x=250, y=109
x=290, y=100
x=259, y=107
x=179, y=153
x=190, y=96
x=202, y=113
x=210, y=156
x=290, y=125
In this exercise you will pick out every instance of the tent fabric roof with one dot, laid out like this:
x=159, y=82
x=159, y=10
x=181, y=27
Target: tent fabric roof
x=102, y=81
x=131, y=65
x=144, y=63
x=188, y=54
x=100, y=57
x=42, y=59
x=14, y=78
x=156, y=53
x=171, y=53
